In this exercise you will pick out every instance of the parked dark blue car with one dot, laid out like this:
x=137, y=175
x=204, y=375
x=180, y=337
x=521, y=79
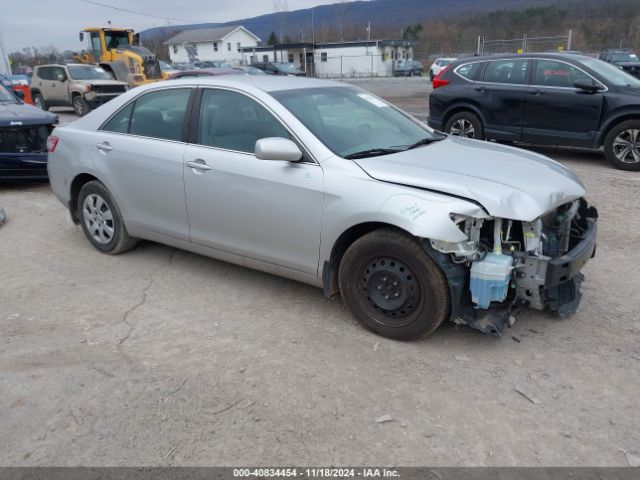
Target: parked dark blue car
x=23, y=138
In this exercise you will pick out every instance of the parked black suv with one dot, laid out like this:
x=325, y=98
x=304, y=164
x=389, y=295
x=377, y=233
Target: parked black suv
x=550, y=99
x=623, y=59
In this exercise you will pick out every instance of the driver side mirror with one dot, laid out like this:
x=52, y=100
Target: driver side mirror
x=587, y=85
x=277, y=148
x=61, y=77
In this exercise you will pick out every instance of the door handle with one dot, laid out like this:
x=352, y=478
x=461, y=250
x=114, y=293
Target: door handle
x=198, y=164
x=104, y=147
x=481, y=89
x=536, y=92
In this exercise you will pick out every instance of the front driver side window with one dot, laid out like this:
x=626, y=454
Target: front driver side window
x=550, y=73
x=233, y=121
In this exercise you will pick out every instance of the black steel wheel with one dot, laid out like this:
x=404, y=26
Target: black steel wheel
x=392, y=286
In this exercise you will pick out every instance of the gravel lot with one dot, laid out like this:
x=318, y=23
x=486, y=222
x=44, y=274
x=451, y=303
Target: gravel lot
x=163, y=357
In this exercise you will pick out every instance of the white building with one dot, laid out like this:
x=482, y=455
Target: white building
x=336, y=60
x=211, y=44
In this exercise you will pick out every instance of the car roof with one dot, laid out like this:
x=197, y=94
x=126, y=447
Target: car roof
x=67, y=65
x=266, y=83
x=501, y=56
x=206, y=71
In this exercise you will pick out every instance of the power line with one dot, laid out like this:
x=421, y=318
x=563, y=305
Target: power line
x=138, y=13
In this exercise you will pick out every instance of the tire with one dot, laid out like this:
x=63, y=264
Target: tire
x=385, y=264
x=80, y=106
x=38, y=101
x=101, y=219
x=465, y=124
x=622, y=146
x=431, y=76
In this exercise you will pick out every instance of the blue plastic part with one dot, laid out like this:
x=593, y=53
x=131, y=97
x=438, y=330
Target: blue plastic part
x=489, y=279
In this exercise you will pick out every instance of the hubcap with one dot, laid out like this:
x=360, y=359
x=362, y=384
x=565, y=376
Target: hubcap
x=626, y=146
x=463, y=128
x=39, y=103
x=78, y=106
x=98, y=218
x=391, y=288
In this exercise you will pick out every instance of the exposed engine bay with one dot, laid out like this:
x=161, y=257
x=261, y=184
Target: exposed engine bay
x=29, y=139
x=506, y=265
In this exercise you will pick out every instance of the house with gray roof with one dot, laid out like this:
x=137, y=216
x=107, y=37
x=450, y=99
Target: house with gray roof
x=220, y=44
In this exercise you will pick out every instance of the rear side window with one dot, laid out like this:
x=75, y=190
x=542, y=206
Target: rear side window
x=45, y=73
x=157, y=114
x=550, y=73
x=512, y=71
x=469, y=71
x=119, y=123
x=233, y=121
x=160, y=114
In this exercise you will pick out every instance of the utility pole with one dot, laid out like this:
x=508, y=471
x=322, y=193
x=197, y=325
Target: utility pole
x=369, y=31
x=569, y=39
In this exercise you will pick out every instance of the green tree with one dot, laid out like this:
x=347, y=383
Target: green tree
x=273, y=39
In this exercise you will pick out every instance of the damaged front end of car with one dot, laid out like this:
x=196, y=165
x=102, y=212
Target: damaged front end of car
x=506, y=265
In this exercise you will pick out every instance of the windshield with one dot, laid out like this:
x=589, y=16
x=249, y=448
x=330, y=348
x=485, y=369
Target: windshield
x=7, y=96
x=286, y=67
x=349, y=120
x=611, y=73
x=624, y=57
x=115, y=39
x=88, y=73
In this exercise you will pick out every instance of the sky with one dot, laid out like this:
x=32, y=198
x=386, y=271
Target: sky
x=42, y=23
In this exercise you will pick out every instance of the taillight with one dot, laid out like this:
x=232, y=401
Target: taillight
x=439, y=81
x=52, y=143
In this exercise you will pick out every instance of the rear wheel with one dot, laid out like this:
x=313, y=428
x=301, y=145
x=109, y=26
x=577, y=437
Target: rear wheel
x=101, y=219
x=392, y=286
x=465, y=124
x=622, y=146
x=38, y=101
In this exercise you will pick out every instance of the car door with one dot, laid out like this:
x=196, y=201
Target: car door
x=42, y=81
x=557, y=113
x=501, y=95
x=139, y=153
x=265, y=210
x=59, y=90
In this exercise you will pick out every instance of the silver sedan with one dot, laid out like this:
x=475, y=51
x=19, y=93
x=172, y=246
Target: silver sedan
x=329, y=185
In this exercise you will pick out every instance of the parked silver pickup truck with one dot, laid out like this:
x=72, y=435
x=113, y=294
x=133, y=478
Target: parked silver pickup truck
x=83, y=87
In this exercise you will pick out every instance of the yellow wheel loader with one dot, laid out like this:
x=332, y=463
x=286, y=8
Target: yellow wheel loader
x=117, y=50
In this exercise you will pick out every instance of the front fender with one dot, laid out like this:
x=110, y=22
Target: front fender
x=428, y=218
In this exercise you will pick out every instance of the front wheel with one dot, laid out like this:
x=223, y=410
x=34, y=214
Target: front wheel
x=465, y=124
x=392, y=286
x=38, y=101
x=80, y=106
x=622, y=146
x=101, y=219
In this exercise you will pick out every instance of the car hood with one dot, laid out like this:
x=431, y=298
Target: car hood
x=103, y=82
x=508, y=182
x=22, y=114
